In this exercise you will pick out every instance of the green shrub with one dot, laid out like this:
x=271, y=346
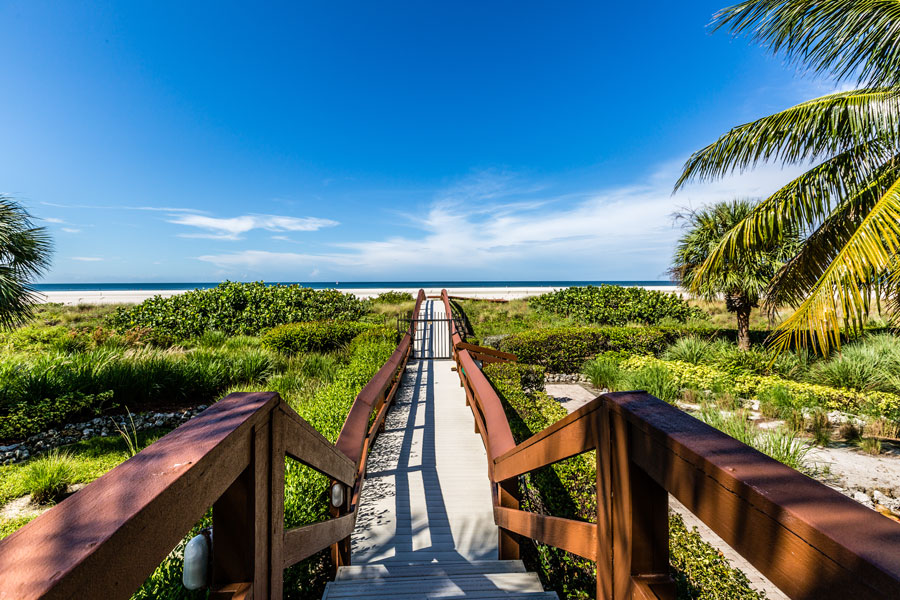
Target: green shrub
x=238, y=308
x=393, y=297
x=567, y=489
x=603, y=373
x=565, y=350
x=700, y=571
x=318, y=336
x=615, y=305
x=48, y=478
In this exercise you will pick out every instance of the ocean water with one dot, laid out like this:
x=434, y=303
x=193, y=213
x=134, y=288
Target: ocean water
x=138, y=285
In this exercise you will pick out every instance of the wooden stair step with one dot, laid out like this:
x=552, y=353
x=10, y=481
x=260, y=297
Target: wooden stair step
x=498, y=585
x=392, y=570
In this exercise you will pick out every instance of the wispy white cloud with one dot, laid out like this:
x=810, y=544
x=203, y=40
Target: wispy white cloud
x=70, y=230
x=233, y=228
x=166, y=209
x=53, y=220
x=87, y=258
x=490, y=225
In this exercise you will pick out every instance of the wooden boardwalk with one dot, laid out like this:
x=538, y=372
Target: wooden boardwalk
x=425, y=527
x=427, y=495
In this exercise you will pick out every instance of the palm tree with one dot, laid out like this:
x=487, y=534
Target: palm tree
x=742, y=278
x=24, y=254
x=847, y=205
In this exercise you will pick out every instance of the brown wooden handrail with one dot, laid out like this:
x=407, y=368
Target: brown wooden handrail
x=809, y=540
x=104, y=541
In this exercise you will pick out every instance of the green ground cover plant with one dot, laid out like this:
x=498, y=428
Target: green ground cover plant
x=237, y=308
x=703, y=377
x=90, y=459
x=567, y=489
x=616, y=305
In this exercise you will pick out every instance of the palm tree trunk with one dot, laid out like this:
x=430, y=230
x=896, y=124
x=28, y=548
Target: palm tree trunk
x=743, y=326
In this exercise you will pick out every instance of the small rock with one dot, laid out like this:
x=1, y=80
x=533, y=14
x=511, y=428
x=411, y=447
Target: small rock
x=863, y=499
x=87, y=432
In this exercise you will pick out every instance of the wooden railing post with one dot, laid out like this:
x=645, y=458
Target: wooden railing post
x=242, y=540
x=340, y=551
x=632, y=520
x=276, y=504
x=508, y=543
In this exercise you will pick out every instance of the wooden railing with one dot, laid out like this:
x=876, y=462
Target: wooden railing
x=105, y=540
x=807, y=539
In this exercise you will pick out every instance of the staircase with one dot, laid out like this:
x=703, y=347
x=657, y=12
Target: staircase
x=397, y=580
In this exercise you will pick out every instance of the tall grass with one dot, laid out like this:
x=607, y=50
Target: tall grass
x=125, y=378
x=47, y=478
x=604, y=373
x=872, y=363
x=782, y=444
x=656, y=380
x=690, y=349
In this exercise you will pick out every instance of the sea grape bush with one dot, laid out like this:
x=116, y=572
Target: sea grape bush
x=393, y=297
x=238, y=308
x=565, y=349
x=316, y=336
x=616, y=305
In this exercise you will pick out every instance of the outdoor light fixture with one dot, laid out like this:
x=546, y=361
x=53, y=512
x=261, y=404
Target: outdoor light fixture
x=196, y=561
x=337, y=494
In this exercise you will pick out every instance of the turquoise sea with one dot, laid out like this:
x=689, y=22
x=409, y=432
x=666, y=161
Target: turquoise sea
x=190, y=285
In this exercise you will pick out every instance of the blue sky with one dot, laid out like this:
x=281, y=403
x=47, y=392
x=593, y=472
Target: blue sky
x=373, y=140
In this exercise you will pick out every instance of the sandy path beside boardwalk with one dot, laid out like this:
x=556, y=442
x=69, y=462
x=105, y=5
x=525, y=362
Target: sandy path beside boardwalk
x=135, y=296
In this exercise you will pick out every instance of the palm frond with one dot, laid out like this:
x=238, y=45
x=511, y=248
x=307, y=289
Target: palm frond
x=847, y=39
x=840, y=295
x=818, y=128
x=805, y=202
x=792, y=283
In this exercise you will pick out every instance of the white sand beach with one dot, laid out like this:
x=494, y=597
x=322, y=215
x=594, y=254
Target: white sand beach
x=135, y=296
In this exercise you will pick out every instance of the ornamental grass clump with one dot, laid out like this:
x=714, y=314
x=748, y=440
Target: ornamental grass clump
x=654, y=379
x=782, y=444
x=690, y=349
x=604, y=373
x=48, y=478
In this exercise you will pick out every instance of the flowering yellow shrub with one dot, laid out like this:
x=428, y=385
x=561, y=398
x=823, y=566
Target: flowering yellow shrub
x=704, y=377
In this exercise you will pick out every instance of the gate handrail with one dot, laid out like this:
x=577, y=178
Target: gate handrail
x=106, y=539
x=808, y=539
